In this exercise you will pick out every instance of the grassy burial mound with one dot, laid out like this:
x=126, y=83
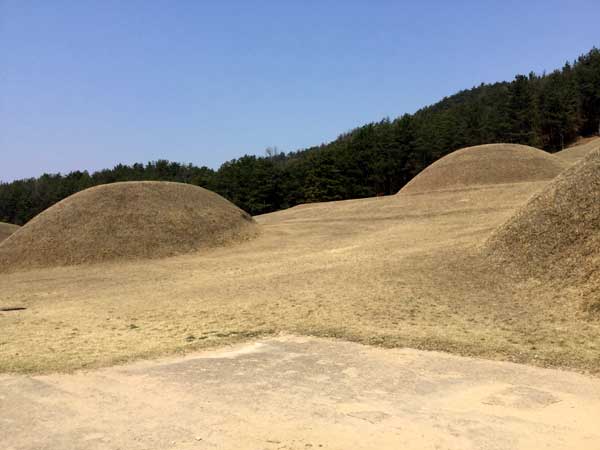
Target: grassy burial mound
x=130, y=220
x=484, y=165
x=6, y=229
x=556, y=235
x=579, y=151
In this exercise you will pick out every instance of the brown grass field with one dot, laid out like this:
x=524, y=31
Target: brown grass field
x=487, y=164
x=555, y=237
x=6, y=229
x=125, y=221
x=398, y=271
x=579, y=150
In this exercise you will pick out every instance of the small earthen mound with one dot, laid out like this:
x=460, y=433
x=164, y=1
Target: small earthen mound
x=123, y=221
x=6, y=229
x=556, y=235
x=579, y=151
x=484, y=165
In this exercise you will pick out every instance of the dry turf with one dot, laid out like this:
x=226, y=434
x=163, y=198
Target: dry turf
x=404, y=270
x=579, y=150
x=555, y=237
x=123, y=221
x=6, y=229
x=485, y=165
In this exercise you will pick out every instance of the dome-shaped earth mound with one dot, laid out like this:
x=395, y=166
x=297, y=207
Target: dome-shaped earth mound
x=556, y=235
x=486, y=164
x=579, y=151
x=130, y=220
x=6, y=229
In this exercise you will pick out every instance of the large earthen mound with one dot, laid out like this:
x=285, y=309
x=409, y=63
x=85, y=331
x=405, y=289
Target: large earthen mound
x=6, y=229
x=556, y=235
x=484, y=165
x=579, y=151
x=130, y=220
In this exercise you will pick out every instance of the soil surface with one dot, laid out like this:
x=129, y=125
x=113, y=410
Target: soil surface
x=303, y=393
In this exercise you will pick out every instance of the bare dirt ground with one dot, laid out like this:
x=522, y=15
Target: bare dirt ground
x=399, y=271
x=300, y=394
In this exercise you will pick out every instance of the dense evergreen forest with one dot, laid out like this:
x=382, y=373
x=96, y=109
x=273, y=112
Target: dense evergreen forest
x=548, y=111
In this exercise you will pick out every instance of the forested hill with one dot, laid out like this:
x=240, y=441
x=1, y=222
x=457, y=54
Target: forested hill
x=547, y=111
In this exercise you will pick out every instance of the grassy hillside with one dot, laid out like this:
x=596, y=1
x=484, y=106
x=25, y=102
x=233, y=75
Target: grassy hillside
x=6, y=229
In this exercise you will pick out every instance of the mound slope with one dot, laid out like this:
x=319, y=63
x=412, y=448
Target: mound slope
x=129, y=220
x=6, y=229
x=486, y=164
x=577, y=152
x=556, y=235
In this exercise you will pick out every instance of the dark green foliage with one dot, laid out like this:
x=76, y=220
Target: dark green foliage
x=559, y=109
x=547, y=111
x=522, y=111
x=252, y=183
x=586, y=73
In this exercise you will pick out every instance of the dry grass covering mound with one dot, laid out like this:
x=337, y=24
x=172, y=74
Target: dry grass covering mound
x=6, y=229
x=129, y=220
x=486, y=164
x=556, y=235
x=580, y=150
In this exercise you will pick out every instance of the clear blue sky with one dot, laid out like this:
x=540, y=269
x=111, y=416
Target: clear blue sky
x=88, y=84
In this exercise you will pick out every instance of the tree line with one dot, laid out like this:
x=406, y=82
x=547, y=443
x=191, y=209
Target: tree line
x=548, y=111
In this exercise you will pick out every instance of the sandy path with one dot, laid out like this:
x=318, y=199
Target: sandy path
x=303, y=393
